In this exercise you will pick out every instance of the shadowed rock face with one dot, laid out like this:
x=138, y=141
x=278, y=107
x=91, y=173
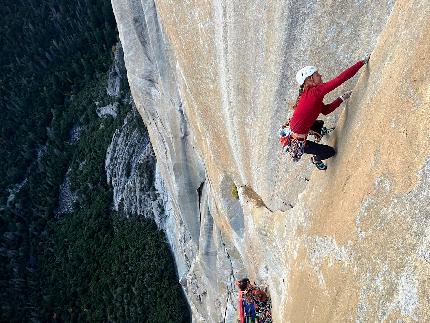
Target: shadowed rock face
x=213, y=81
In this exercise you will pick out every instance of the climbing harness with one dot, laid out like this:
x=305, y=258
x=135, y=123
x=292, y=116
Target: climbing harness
x=296, y=147
x=294, y=144
x=284, y=137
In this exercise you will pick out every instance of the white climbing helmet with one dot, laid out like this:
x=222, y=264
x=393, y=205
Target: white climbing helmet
x=304, y=73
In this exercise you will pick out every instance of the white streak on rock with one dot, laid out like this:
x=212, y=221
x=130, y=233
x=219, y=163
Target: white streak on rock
x=408, y=293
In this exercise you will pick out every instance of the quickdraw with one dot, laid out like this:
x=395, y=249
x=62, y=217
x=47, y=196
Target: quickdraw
x=292, y=145
x=284, y=137
x=296, y=148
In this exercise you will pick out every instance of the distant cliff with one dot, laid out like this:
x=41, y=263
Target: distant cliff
x=213, y=82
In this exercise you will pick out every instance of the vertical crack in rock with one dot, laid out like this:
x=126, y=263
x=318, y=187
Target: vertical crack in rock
x=200, y=192
x=207, y=246
x=230, y=300
x=183, y=122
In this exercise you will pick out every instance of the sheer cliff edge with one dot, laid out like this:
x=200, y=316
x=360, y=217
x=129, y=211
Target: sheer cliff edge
x=214, y=80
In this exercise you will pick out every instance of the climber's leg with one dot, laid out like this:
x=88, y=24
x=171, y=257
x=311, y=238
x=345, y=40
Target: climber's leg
x=319, y=152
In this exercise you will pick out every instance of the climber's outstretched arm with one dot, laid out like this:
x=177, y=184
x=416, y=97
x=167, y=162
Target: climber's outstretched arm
x=329, y=86
x=329, y=108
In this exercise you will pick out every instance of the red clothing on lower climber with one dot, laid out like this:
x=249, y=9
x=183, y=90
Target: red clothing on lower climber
x=311, y=103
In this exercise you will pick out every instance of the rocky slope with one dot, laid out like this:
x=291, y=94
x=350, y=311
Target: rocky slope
x=213, y=80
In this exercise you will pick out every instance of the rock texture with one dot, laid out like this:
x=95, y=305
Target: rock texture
x=213, y=80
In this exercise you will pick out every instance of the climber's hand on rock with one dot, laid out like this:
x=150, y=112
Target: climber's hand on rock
x=366, y=59
x=346, y=95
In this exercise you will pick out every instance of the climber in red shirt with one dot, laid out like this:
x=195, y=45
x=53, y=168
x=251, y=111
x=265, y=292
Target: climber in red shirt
x=309, y=105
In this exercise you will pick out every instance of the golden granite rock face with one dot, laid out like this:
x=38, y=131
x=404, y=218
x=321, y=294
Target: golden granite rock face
x=214, y=80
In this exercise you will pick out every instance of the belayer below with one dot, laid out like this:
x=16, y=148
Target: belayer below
x=309, y=104
x=254, y=305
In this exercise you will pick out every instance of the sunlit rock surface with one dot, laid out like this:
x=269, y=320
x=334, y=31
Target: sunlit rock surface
x=214, y=80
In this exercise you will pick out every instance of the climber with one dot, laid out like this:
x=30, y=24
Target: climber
x=254, y=303
x=308, y=106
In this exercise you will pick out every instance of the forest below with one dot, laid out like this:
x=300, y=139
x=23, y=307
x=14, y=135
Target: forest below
x=91, y=264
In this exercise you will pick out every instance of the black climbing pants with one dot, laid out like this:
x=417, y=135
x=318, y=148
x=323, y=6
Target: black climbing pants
x=320, y=152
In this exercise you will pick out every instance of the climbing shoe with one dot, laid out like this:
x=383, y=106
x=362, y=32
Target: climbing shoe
x=319, y=164
x=325, y=130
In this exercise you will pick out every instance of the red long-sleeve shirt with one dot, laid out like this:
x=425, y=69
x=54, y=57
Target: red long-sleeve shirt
x=311, y=103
